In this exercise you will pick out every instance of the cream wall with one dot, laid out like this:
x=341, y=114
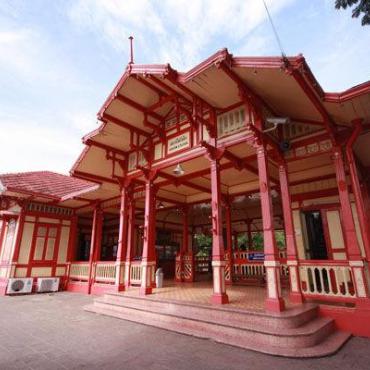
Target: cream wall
x=335, y=230
x=26, y=244
x=63, y=244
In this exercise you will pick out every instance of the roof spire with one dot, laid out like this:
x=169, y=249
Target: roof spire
x=131, y=50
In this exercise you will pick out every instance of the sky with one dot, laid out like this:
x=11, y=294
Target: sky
x=59, y=60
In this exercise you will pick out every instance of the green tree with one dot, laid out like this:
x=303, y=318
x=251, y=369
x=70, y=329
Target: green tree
x=280, y=239
x=361, y=7
x=204, y=244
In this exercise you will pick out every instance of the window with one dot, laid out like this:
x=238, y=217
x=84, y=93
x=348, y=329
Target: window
x=45, y=242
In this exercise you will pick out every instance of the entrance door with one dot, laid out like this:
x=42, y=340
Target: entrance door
x=316, y=248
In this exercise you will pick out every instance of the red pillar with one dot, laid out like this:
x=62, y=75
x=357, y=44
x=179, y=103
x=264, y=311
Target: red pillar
x=148, y=258
x=71, y=254
x=122, y=239
x=130, y=241
x=229, y=235
x=185, y=232
x=249, y=233
x=290, y=241
x=353, y=248
x=356, y=189
x=99, y=236
x=95, y=243
x=71, y=250
x=218, y=263
x=274, y=300
x=229, y=245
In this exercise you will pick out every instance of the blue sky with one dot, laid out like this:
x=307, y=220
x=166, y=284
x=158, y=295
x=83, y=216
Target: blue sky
x=60, y=59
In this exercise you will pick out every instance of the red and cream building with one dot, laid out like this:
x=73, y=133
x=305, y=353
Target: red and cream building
x=236, y=145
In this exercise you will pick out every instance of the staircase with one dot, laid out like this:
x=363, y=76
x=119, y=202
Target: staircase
x=297, y=332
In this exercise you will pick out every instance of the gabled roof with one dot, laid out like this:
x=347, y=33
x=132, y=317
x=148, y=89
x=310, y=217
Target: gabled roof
x=45, y=184
x=137, y=108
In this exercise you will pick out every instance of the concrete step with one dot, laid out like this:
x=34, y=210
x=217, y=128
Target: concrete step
x=291, y=318
x=313, y=339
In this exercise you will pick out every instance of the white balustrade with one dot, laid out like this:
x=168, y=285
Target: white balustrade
x=135, y=273
x=105, y=272
x=79, y=271
x=249, y=270
x=329, y=279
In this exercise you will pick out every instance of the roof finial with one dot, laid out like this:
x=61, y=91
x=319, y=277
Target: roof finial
x=131, y=51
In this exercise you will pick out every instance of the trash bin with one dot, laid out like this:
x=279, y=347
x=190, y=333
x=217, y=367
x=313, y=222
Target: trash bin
x=159, y=278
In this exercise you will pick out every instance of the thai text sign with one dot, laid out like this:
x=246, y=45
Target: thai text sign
x=178, y=142
x=256, y=256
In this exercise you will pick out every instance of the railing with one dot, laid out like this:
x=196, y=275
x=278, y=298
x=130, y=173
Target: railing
x=327, y=278
x=79, y=271
x=247, y=270
x=246, y=254
x=135, y=273
x=105, y=272
x=231, y=122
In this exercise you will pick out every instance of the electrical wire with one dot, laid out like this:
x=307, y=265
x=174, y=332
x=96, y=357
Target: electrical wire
x=274, y=30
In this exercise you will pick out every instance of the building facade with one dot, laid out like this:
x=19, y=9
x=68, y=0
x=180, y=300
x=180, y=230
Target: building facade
x=237, y=146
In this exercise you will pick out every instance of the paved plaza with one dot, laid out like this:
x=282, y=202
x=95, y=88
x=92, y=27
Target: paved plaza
x=51, y=331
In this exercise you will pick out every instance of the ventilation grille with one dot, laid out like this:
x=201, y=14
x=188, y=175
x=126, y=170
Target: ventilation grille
x=47, y=285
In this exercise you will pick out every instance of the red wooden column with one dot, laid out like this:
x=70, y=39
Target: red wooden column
x=249, y=233
x=130, y=241
x=229, y=245
x=185, y=231
x=148, y=257
x=71, y=250
x=353, y=248
x=99, y=236
x=95, y=243
x=218, y=263
x=274, y=300
x=186, y=256
x=290, y=241
x=356, y=189
x=122, y=239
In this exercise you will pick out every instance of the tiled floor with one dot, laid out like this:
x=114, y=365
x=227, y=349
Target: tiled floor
x=50, y=332
x=242, y=297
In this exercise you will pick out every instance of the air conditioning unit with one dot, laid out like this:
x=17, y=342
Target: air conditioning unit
x=47, y=285
x=19, y=286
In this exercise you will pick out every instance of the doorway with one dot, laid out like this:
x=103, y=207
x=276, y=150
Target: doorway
x=316, y=248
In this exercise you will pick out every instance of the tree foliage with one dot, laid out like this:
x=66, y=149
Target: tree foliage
x=361, y=7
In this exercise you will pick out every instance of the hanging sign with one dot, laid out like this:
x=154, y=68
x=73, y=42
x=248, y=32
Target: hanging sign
x=256, y=256
x=178, y=142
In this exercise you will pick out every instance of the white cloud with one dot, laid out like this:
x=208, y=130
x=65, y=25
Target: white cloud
x=176, y=31
x=32, y=146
